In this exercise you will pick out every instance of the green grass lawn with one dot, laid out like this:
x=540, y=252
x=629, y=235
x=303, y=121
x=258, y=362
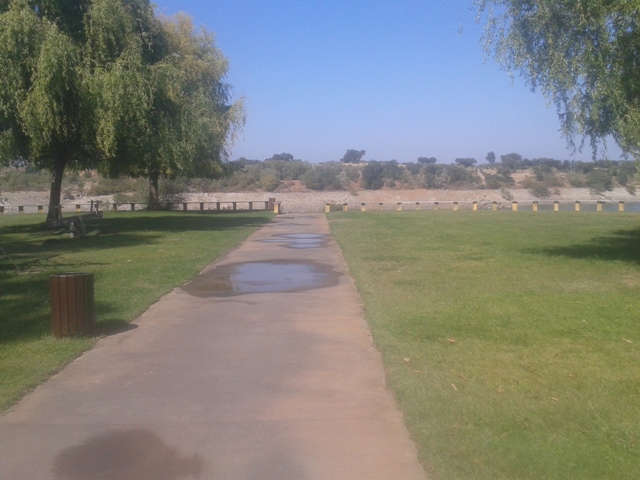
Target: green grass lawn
x=136, y=258
x=511, y=340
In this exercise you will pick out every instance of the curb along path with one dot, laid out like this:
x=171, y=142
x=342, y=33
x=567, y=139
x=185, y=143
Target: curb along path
x=261, y=368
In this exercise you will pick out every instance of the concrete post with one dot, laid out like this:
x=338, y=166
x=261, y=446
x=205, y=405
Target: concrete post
x=345, y=207
x=399, y=206
x=327, y=208
x=535, y=206
x=362, y=209
x=621, y=206
x=599, y=206
x=455, y=206
x=577, y=205
x=494, y=206
x=556, y=206
x=514, y=206
x=475, y=206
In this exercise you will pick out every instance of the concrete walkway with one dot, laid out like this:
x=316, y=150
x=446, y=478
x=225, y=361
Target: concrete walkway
x=261, y=368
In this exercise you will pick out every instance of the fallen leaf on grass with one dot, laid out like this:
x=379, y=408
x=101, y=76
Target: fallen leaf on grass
x=501, y=389
x=407, y=359
x=628, y=341
x=454, y=387
x=554, y=399
x=478, y=462
x=452, y=340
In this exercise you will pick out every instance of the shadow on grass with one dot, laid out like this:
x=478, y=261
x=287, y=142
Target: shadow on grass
x=37, y=253
x=121, y=230
x=620, y=245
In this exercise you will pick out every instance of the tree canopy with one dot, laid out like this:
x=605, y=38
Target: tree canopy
x=108, y=84
x=353, y=156
x=583, y=55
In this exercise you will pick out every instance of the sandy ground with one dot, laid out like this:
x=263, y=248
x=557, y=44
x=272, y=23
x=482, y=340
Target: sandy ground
x=315, y=201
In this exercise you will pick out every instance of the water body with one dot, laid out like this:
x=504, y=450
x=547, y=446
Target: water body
x=300, y=240
x=276, y=276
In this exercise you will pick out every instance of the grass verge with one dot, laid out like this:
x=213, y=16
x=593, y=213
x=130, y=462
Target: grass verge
x=511, y=341
x=135, y=257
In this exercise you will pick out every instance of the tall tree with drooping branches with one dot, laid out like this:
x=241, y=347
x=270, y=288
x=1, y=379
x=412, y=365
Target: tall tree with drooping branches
x=584, y=55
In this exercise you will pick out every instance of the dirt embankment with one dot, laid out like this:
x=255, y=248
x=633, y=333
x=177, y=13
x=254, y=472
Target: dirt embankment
x=310, y=201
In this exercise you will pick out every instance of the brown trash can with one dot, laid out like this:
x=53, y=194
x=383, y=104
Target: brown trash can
x=72, y=304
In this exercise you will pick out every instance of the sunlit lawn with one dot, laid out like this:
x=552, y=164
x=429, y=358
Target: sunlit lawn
x=512, y=340
x=136, y=258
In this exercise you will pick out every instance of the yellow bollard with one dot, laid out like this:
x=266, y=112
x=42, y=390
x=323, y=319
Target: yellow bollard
x=621, y=206
x=362, y=209
x=115, y=207
x=494, y=206
x=556, y=206
x=535, y=206
x=345, y=207
x=455, y=206
x=577, y=206
x=327, y=208
x=514, y=206
x=78, y=208
x=399, y=206
x=40, y=209
x=276, y=208
x=599, y=206
x=475, y=206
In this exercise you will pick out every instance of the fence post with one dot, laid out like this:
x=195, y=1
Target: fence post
x=345, y=207
x=276, y=208
x=362, y=209
x=417, y=205
x=201, y=206
x=235, y=206
x=1, y=209
x=599, y=206
x=399, y=206
x=250, y=206
x=535, y=206
x=475, y=206
x=327, y=208
x=556, y=206
x=494, y=206
x=514, y=206
x=21, y=209
x=78, y=208
x=381, y=205
x=436, y=205
x=184, y=206
x=455, y=206
x=621, y=206
x=577, y=205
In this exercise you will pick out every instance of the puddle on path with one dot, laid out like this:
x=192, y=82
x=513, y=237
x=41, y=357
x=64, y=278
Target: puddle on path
x=300, y=240
x=277, y=276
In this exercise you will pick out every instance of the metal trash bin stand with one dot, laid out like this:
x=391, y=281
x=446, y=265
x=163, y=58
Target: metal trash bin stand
x=72, y=303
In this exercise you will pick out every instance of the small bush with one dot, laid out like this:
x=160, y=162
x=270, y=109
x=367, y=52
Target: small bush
x=599, y=180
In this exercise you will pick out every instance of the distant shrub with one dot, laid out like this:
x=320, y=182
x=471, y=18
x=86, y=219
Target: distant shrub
x=323, y=177
x=15, y=180
x=576, y=180
x=599, y=180
x=372, y=176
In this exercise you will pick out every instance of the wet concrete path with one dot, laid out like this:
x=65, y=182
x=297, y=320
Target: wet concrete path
x=261, y=368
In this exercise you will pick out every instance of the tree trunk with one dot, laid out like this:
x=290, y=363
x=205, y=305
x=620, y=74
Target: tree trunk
x=154, y=198
x=54, y=213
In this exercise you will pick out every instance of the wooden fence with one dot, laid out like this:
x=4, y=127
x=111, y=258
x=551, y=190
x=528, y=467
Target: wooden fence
x=226, y=206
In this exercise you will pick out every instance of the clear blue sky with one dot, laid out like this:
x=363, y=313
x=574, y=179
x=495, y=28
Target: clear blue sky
x=399, y=79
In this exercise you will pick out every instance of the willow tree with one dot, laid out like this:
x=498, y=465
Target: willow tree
x=583, y=55
x=182, y=116
x=43, y=109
